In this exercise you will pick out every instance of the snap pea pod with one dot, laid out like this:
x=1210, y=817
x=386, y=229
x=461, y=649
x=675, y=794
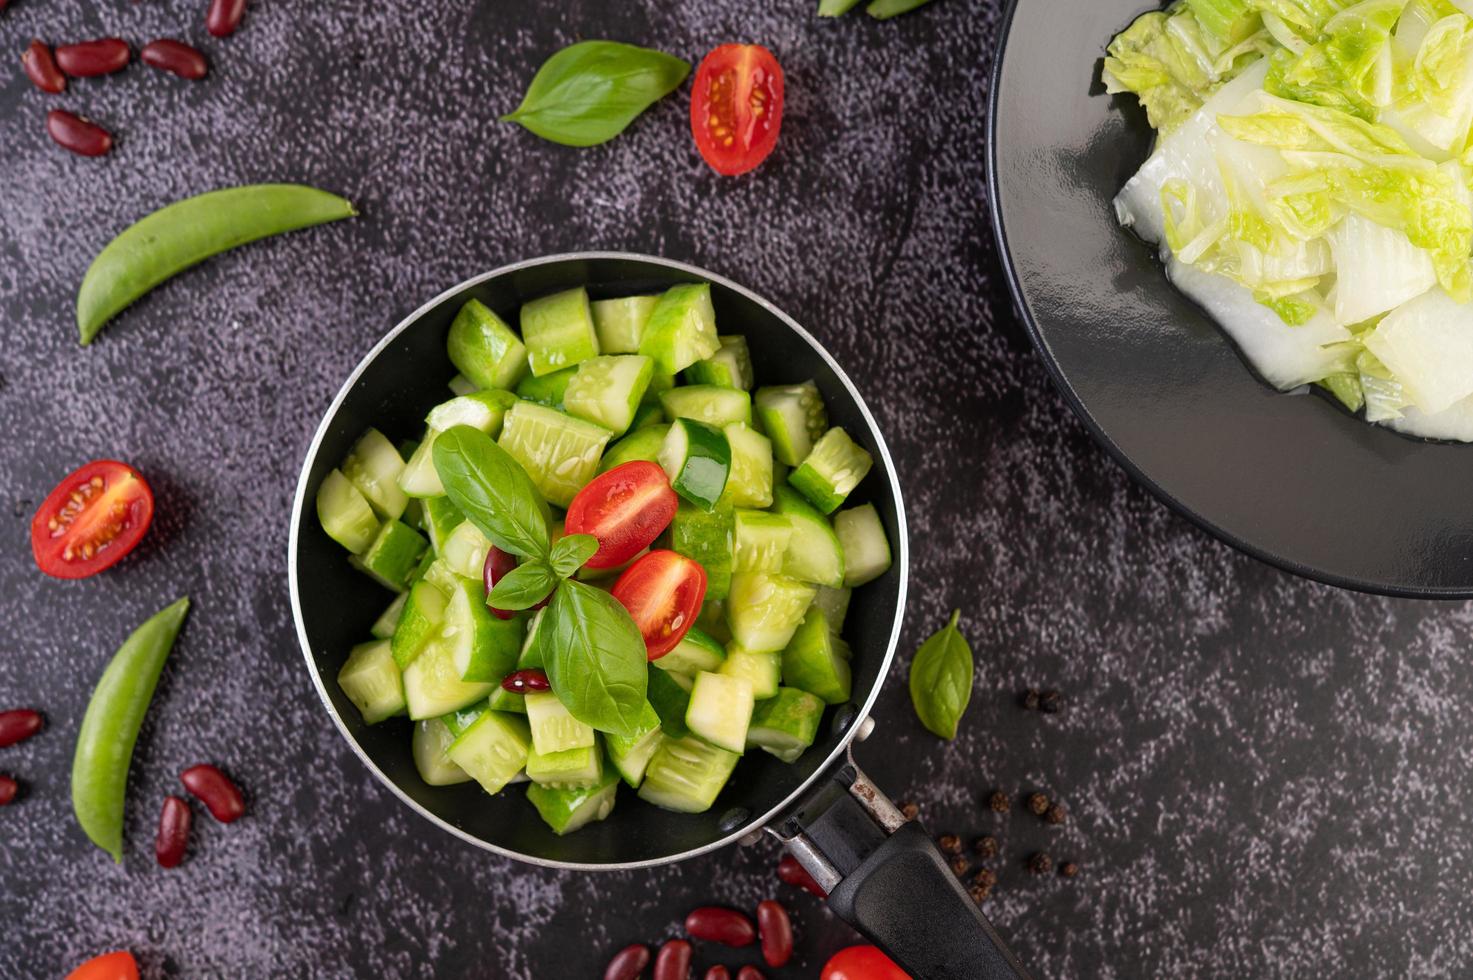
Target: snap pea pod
x=110, y=727
x=187, y=232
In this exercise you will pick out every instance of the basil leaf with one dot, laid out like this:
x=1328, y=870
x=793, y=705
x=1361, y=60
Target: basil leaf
x=492, y=490
x=941, y=679
x=523, y=587
x=569, y=554
x=595, y=658
x=588, y=92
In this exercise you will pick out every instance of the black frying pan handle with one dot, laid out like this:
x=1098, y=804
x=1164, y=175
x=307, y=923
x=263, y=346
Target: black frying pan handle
x=905, y=898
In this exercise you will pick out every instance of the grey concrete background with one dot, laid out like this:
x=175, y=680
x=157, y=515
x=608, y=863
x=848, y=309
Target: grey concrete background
x=1266, y=777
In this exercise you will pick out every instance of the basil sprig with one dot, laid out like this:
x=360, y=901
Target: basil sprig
x=595, y=658
x=941, y=679
x=588, y=92
x=492, y=491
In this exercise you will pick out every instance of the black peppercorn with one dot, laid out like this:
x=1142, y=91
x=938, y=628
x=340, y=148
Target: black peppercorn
x=979, y=894
x=1000, y=802
x=986, y=847
x=1038, y=803
x=986, y=878
x=1031, y=699
x=1068, y=869
x=949, y=844
x=1056, y=814
x=909, y=810
x=960, y=865
x=1040, y=863
x=1050, y=702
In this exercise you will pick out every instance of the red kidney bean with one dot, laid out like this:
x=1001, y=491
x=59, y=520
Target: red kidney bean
x=793, y=873
x=673, y=963
x=628, y=963
x=528, y=681
x=87, y=59
x=215, y=790
x=176, y=58
x=718, y=972
x=749, y=973
x=8, y=789
x=79, y=135
x=720, y=925
x=40, y=68
x=776, y=930
x=224, y=16
x=498, y=566
x=18, y=725
x=173, y=836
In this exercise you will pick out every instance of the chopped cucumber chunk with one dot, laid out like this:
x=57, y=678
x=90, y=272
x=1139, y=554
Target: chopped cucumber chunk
x=440, y=576
x=669, y=699
x=644, y=444
x=764, y=609
x=681, y=329
x=631, y=754
x=383, y=627
x=817, y=660
x=484, y=349
x=529, y=657
x=553, y=728
x=619, y=323
x=793, y=417
x=761, y=670
x=419, y=622
x=720, y=709
x=866, y=549
x=461, y=385
x=431, y=739
x=660, y=382
x=560, y=453
x=483, y=410
x=373, y=467
x=493, y=750
x=832, y=470
x=566, y=809
x=433, y=687
x=582, y=766
x=785, y=724
x=558, y=331
x=707, y=539
x=549, y=389
x=761, y=540
x=834, y=604
x=372, y=681
x=711, y=404
x=393, y=556
x=441, y=518
x=697, y=458
x=484, y=648
x=345, y=513
x=465, y=550
x=607, y=390
x=713, y=620
x=730, y=366
x=648, y=414
x=686, y=774
x=696, y=651
x=814, y=553
x=750, y=481
x=459, y=721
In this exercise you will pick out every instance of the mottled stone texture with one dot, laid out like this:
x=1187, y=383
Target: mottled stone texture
x=1265, y=777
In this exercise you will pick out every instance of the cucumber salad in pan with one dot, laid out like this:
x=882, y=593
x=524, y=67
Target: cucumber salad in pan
x=615, y=562
x=1309, y=188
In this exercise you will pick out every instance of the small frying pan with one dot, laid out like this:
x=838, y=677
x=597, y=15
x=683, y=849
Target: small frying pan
x=882, y=873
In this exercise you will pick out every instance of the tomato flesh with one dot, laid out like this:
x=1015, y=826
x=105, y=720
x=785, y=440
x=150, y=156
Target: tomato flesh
x=109, y=966
x=663, y=592
x=862, y=963
x=626, y=509
x=736, y=107
x=91, y=520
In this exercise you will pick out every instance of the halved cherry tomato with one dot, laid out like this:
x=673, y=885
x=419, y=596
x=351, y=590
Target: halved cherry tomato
x=663, y=592
x=625, y=508
x=91, y=520
x=862, y=963
x=736, y=107
x=109, y=966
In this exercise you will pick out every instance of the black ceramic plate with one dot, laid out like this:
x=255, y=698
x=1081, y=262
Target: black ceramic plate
x=1290, y=478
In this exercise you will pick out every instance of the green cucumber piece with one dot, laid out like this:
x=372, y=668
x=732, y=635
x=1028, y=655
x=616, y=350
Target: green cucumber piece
x=697, y=459
x=711, y=404
x=834, y=604
x=832, y=470
x=433, y=687
x=785, y=724
x=696, y=651
x=459, y=721
x=393, y=556
x=431, y=739
x=720, y=709
x=815, y=553
x=560, y=453
x=373, y=466
x=484, y=410
x=793, y=416
x=706, y=537
x=817, y=660
x=761, y=670
x=484, y=349
x=866, y=549
x=669, y=699
x=371, y=680
x=440, y=576
x=619, y=323
x=643, y=443
x=484, y=648
x=761, y=540
x=686, y=775
x=607, y=390
x=730, y=366
x=630, y=754
x=345, y=513
x=660, y=382
x=750, y=481
x=648, y=414
x=461, y=385
x=553, y=728
x=681, y=329
x=419, y=623
x=493, y=750
x=549, y=389
x=582, y=766
x=465, y=550
x=764, y=609
x=566, y=809
x=712, y=619
x=388, y=620
x=529, y=657
x=683, y=681
x=441, y=518
x=558, y=331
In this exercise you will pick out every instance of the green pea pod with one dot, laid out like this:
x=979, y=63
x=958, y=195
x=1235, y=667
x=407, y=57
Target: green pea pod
x=110, y=727
x=885, y=9
x=187, y=232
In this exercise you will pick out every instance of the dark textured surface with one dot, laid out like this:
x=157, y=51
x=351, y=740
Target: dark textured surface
x=1266, y=777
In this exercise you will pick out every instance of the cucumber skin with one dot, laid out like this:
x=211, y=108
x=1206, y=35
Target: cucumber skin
x=394, y=554
x=814, y=552
x=696, y=651
x=619, y=323
x=547, y=389
x=681, y=329
x=558, y=331
x=829, y=474
x=670, y=701
x=706, y=538
x=815, y=661
x=791, y=716
x=373, y=466
x=566, y=810
x=484, y=348
x=697, y=459
x=419, y=622
x=640, y=444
